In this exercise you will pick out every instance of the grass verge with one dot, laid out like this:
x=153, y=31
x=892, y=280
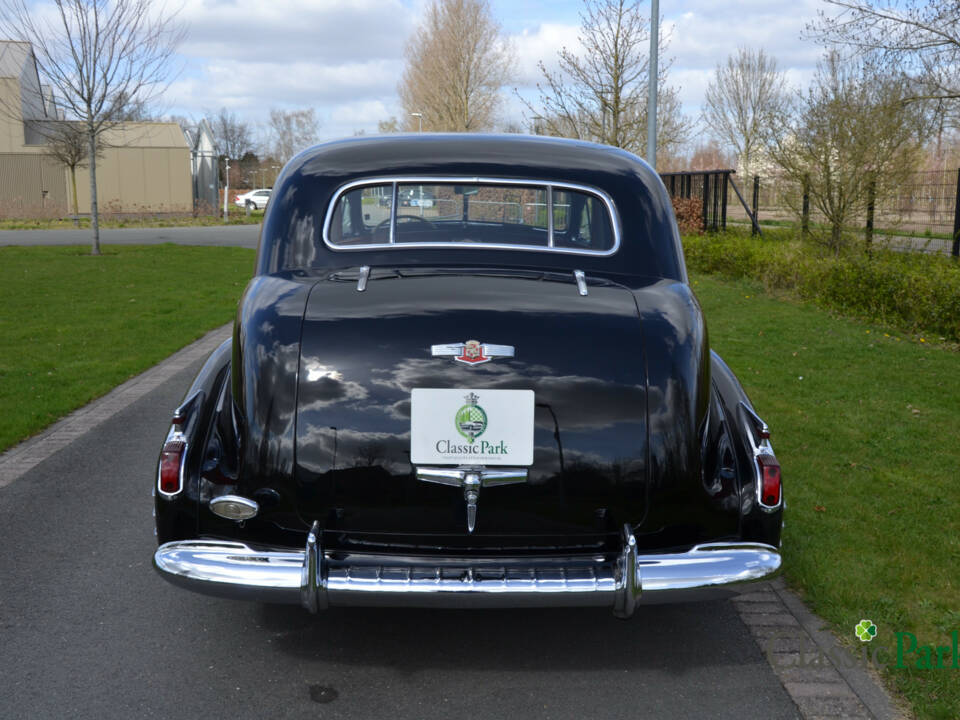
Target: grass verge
x=74, y=326
x=236, y=216
x=866, y=424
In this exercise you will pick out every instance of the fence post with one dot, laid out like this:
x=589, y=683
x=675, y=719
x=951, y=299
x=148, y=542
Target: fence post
x=805, y=216
x=723, y=201
x=871, y=198
x=756, y=202
x=706, y=199
x=956, y=221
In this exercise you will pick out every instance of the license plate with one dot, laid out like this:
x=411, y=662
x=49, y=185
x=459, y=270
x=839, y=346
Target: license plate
x=466, y=426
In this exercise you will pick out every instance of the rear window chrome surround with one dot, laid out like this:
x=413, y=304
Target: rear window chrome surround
x=396, y=180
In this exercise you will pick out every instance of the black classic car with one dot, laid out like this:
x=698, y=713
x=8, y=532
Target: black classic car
x=504, y=397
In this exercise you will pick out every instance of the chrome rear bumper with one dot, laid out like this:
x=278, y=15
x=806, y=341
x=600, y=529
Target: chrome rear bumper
x=316, y=579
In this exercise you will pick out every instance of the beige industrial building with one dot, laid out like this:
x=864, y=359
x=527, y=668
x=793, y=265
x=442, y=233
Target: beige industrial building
x=144, y=167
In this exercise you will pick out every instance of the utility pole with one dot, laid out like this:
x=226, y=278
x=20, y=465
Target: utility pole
x=226, y=188
x=652, y=97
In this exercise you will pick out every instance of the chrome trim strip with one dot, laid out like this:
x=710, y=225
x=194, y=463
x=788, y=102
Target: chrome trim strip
x=396, y=180
x=581, y=282
x=251, y=505
x=394, y=198
x=315, y=579
x=456, y=477
x=364, y=276
x=756, y=429
x=180, y=413
x=550, y=242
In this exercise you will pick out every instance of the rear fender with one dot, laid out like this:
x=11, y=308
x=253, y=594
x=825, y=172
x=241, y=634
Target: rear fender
x=757, y=524
x=176, y=515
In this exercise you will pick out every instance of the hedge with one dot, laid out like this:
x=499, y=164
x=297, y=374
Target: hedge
x=917, y=291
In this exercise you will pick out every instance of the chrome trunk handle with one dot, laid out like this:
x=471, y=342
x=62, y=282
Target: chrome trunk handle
x=471, y=478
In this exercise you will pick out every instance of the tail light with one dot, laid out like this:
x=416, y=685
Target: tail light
x=769, y=480
x=170, y=474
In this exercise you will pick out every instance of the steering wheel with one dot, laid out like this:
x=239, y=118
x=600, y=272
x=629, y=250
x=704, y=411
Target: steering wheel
x=404, y=218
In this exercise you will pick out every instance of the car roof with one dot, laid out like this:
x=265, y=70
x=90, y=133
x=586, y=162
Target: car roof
x=311, y=180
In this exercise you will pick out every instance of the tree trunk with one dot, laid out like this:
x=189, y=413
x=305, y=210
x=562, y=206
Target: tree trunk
x=94, y=213
x=73, y=188
x=836, y=237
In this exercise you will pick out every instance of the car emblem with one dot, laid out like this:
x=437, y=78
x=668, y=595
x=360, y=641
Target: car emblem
x=472, y=352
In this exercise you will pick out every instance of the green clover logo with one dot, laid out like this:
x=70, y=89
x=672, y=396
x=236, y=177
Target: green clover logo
x=865, y=630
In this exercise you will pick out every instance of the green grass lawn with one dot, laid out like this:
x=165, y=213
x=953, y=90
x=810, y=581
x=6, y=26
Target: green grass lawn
x=866, y=424
x=236, y=215
x=73, y=326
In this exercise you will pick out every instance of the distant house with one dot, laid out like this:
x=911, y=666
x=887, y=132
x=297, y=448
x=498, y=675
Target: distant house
x=143, y=167
x=203, y=165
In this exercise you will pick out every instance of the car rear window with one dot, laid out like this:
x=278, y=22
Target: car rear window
x=471, y=213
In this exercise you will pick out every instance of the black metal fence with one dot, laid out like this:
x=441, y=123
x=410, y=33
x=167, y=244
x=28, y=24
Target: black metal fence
x=923, y=215
x=709, y=187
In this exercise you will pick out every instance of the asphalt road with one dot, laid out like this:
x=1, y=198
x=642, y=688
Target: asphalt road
x=217, y=235
x=88, y=630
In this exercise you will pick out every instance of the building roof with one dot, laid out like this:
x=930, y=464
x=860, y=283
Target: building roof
x=13, y=57
x=146, y=134
x=195, y=134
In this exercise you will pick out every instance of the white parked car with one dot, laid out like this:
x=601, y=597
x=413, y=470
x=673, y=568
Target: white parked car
x=255, y=199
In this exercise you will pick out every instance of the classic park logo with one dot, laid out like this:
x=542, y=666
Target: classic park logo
x=471, y=422
x=470, y=425
x=471, y=419
x=909, y=653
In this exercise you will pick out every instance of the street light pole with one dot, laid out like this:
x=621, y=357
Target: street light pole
x=652, y=91
x=419, y=117
x=226, y=188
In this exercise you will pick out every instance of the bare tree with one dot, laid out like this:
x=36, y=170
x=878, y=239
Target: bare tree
x=708, y=156
x=233, y=136
x=602, y=94
x=851, y=136
x=101, y=57
x=390, y=125
x=67, y=142
x=920, y=37
x=741, y=101
x=131, y=109
x=290, y=131
x=456, y=64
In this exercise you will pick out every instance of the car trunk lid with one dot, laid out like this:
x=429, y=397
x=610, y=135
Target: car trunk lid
x=364, y=353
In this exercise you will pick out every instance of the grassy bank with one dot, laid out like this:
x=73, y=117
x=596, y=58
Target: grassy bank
x=866, y=423
x=236, y=216
x=74, y=326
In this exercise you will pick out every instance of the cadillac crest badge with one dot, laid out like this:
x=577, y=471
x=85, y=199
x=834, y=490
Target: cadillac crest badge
x=472, y=352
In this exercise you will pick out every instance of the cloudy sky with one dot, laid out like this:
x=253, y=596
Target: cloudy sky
x=344, y=58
